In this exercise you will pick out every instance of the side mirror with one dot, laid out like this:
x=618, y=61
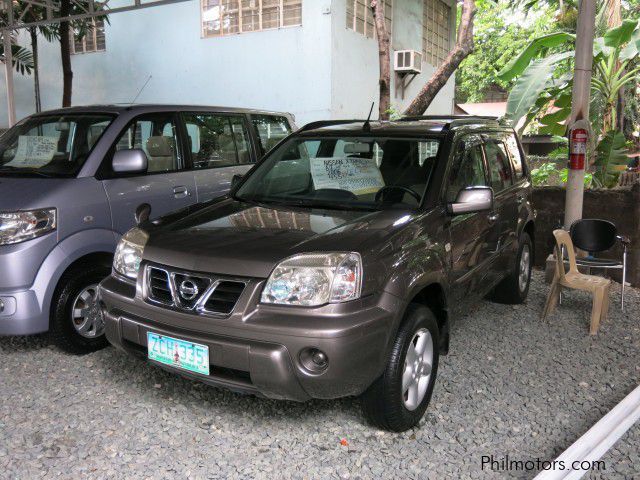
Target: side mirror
x=142, y=213
x=130, y=161
x=472, y=200
x=235, y=180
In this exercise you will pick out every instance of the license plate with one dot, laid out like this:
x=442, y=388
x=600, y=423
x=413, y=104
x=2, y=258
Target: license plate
x=178, y=353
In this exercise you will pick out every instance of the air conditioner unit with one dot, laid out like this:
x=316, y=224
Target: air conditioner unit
x=408, y=61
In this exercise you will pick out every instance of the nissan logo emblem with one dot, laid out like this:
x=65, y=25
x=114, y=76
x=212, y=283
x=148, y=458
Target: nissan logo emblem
x=188, y=290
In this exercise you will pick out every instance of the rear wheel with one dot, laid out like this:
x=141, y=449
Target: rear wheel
x=77, y=325
x=515, y=288
x=397, y=400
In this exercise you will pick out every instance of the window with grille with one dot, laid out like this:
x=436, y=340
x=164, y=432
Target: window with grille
x=436, y=31
x=226, y=17
x=92, y=40
x=360, y=16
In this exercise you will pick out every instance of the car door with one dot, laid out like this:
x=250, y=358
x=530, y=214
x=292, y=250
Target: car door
x=219, y=147
x=505, y=201
x=166, y=186
x=471, y=235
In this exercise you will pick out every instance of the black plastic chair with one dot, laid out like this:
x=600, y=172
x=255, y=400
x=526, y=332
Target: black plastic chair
x=595, y=236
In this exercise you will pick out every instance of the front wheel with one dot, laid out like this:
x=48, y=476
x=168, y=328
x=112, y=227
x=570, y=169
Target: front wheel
x=397, y=400
x=77, y=325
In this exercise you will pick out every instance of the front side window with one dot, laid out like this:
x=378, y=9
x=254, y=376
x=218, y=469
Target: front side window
x=55, y=145
x=467, y=169
x=156, y=135
x=498, y=162
x=360, y=16
x=271, y=130
x=436, y=31
x=217, y=140
x=90, y=40
x=227, y=17
x=344, y=173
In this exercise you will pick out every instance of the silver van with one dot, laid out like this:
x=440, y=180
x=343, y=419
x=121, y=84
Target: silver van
x=73, y=180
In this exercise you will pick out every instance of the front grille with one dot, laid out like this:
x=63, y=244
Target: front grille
x=159, y=287
x=224, y=296
x=192, y=292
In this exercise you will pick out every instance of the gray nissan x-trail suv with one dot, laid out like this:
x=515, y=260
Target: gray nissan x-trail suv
x=335, y=266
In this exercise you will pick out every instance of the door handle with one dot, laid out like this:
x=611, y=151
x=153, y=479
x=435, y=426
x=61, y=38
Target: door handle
x=492, y=217
x=181, y=192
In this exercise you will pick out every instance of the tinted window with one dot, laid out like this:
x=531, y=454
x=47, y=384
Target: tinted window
x=467, y=169
x=217, y=140
x=155, y=134
x=498, y=162
x=55, y=145
x=271, y=129
x=516, y=155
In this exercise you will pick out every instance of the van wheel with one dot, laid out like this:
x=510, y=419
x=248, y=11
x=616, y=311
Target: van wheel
x=397, y=400
x=515, y=288
x=76, y=319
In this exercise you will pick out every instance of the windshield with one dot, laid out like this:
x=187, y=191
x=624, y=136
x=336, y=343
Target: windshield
x=344, y=173
x=51, y=146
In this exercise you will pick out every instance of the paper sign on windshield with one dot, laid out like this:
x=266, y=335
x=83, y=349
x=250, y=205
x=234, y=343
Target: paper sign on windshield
x=357, y=175
x=34, y=152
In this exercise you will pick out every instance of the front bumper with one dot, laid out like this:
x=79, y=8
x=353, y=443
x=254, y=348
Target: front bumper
x=257, y=348
x=21, y=313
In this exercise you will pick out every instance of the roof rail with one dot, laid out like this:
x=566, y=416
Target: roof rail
x=327, y=123
x=447, y=117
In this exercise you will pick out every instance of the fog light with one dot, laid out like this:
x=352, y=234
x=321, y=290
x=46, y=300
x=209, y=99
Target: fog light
x=1, y=306
x=314, y=360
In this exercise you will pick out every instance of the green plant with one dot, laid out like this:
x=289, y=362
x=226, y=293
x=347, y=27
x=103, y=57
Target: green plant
x=610, y=153
x=540, y=176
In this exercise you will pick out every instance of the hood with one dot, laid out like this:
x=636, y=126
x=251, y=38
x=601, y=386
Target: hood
x=25, y=193
x=241, y=239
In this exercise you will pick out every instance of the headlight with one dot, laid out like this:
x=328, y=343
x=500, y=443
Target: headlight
x=312, y=279
x=16, y=227
x=128, y=255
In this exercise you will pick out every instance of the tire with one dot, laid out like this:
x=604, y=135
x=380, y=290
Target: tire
x=512, y=290
x=384, y=404
x=70, y=292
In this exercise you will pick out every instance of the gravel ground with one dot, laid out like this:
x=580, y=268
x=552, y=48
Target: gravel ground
x=511, y=385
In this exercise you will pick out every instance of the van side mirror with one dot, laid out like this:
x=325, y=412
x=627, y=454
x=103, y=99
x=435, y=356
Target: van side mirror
x=142, y=213
x=235, y=180
x=130, y=161
x=472, y=200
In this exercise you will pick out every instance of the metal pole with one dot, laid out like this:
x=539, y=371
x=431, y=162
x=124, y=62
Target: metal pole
x=8, y=65
x=580, y=103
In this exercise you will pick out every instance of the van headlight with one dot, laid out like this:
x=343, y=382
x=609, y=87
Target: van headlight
x=128, y=256
x=312, y=279
x=16, y=227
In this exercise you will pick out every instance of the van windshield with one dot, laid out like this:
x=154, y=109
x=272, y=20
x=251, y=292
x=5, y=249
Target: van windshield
x=51, y=146
x=370, y=173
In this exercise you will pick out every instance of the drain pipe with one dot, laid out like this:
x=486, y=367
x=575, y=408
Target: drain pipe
x=600, y=438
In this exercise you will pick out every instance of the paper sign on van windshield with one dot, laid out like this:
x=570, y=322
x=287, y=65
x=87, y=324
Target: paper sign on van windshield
x=34, y=152
x=357, y=175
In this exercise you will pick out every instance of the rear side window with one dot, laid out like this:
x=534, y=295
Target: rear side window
x=467, y=169
x=217, y=140
x=499, y=167
x=516, y=156
x=270, y=129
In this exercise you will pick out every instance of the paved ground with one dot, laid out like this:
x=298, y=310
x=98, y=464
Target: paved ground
x=511, y=386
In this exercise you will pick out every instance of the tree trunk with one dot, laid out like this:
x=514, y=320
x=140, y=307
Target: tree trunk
x=65, y=54
x=384, y=56
x=462, y=48
x=33, y=31
x=614, y=19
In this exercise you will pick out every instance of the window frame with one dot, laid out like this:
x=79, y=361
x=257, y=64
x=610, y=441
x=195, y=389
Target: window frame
x=251, y=139
x=524, y=175
x=498, y=138
x=430, y=57
x=352, y=18
x=93, y=31
x=239, y=9
x=105, y=171
x=478, y=142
